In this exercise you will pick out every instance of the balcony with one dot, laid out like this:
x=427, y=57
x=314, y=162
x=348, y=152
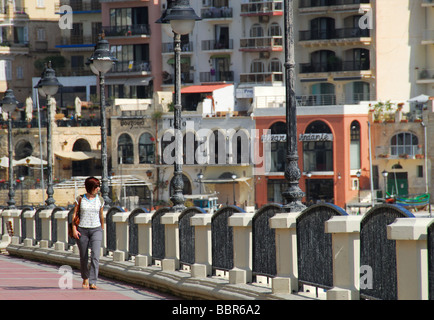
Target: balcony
x=186, y=78
x=80, y=6
x=343, y=36
x=262, y=8
x=127, y=31
x=216, y=45
x=216, y=13
x=399, y=152
x=337, y=66
x=131, y=67
x=222, y=76
x=425, y=76
x=318, y=6
x=427, y=3
x=261, y=78
x=428, y=37
x=167, y=47
x=262, y=44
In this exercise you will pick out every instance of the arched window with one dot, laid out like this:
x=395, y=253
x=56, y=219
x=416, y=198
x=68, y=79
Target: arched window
x=355, y=146
x=217, y=148
x=275, y=65
x=403, y=143
x=125, y=149
x=257, y=66
x=318, y=148
x=256, y=31
x=274, y=30
x=322, y=28
x=240, y=147
x=146, y=148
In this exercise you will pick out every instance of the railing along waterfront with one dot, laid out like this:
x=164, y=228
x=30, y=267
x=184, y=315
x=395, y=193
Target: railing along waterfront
x=385, y=253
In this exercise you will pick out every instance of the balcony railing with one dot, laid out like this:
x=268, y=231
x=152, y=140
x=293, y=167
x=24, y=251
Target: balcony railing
x=185, y=47
x=262, y=8
x=208, y=45
x=425, y=75
x=126, y=31
x=337, y=66
x=334, y=34
x=399, y=152
x=327, y=3
x=262, y=43
x=261, y=77
x=217, y=76
x=216, y=13
x=186, y=77
x=131, y=66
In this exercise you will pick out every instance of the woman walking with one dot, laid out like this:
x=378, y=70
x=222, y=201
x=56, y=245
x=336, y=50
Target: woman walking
x=88, y=231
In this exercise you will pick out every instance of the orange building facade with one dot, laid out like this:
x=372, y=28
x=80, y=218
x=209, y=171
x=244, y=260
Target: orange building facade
x=333, y=150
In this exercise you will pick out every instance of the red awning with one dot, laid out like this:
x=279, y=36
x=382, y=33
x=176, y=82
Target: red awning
x=204, y=88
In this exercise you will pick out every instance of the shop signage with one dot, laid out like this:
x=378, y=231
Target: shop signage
x=273, y=138
x=306, y=137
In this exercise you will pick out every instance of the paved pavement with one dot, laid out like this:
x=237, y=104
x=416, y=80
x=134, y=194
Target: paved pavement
x=22, y=279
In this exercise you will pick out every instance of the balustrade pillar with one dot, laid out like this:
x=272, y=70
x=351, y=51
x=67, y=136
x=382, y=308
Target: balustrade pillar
x=144, y=223
x=345, y=232
x=7, y=218
x=411, y=256
x=242, y=240
x=202, y=267
x=121, y=220
x=62, y=230
x=45, y=216
x=171, y=241
x=16, y=217
x=29, y=215
x=286, y=280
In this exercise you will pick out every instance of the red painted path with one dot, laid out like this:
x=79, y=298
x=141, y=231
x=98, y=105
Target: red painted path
x=22, y=279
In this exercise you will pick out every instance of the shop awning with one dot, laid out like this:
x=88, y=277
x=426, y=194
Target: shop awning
x=78, y=155
x=215, y=181
x=204, y=88
x=184, y=60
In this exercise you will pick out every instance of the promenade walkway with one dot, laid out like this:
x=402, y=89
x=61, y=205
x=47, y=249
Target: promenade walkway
x=22, y=279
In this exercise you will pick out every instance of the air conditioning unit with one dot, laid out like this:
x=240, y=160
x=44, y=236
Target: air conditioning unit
x=264, y=55
x=264, y=19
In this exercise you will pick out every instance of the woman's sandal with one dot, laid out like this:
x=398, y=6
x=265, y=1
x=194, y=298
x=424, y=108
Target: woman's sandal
x=85, y=284
x=93, y=287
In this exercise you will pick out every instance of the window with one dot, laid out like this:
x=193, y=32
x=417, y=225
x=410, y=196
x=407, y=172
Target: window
x=404, y=143
x=318, y=155
x=256, y=31
x=355, y=146
x=278, y=148
x=146, y=149
x=275, y=65
x=20, y=73
x=125, y=149
x=257, y=67
x=274, y=30
x=40, y=4
x=40, y=34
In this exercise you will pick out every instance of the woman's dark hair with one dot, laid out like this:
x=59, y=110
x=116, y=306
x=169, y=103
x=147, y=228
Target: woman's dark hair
x=91, y=183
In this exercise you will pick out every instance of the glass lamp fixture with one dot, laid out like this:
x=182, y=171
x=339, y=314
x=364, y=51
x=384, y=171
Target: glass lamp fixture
x=101, y=60
x=9, y=102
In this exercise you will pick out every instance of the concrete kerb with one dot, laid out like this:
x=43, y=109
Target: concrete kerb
x=178, y=283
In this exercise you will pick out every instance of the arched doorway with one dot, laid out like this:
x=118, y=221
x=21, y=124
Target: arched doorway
x=84, y=167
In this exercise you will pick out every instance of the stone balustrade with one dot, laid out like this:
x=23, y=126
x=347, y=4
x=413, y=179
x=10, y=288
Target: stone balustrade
x=322, y=246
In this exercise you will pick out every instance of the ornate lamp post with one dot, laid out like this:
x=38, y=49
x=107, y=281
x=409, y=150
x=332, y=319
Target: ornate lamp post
x=200, y=177
x=8, y=104
x=182, y=19
x=48, y=87
x=293, y=194
x=101, y=62
x=358, y=174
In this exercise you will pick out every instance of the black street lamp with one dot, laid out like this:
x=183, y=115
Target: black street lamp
x=8, y=104
x=182, y=19
x=100, y=63
x=48, y=86
x=293, y=194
